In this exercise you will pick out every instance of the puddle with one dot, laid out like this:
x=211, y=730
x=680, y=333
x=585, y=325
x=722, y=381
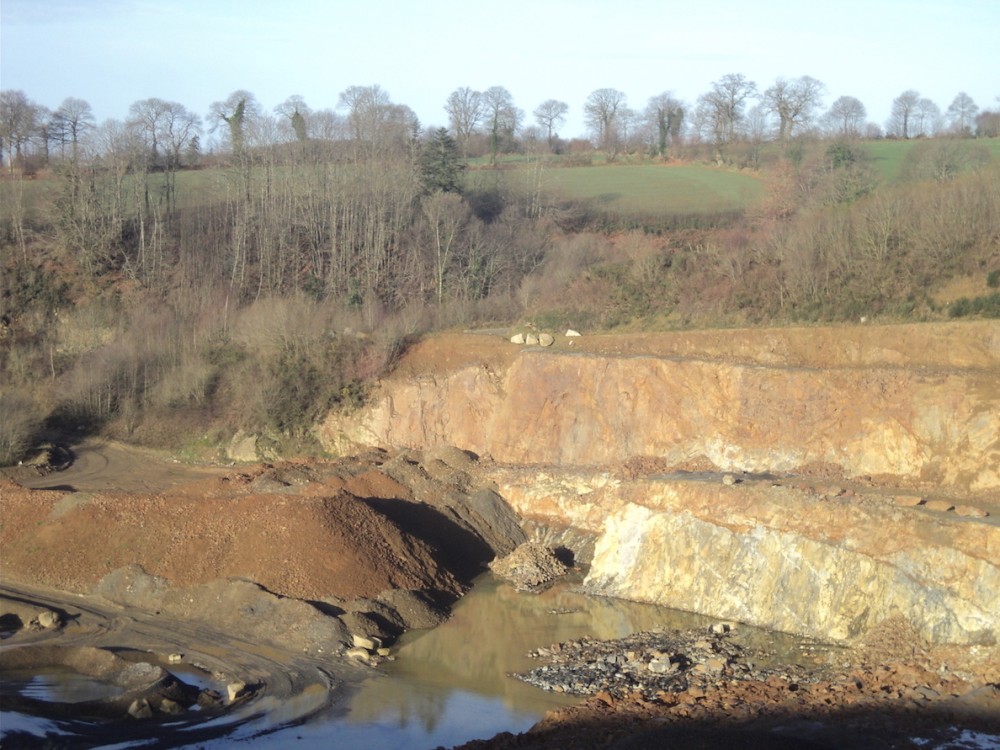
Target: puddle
x=57, y=685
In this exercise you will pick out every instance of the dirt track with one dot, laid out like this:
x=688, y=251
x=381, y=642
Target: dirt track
x=100, y=466
x=278, y=678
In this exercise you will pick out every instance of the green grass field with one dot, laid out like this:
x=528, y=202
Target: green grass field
x=890, y=156
x=654, y=189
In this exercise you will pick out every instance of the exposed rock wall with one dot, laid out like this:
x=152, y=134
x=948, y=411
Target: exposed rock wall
x=782, y=557
x=918, y=424
x=912, y=407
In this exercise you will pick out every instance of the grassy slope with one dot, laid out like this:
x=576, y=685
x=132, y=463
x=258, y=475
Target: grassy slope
x=889, y=156
x=655, y=189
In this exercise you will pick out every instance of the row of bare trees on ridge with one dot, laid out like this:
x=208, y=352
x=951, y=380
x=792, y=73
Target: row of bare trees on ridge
x=489, y=122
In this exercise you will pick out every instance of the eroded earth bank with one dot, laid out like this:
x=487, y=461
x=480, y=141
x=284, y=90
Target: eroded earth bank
x=837, y=483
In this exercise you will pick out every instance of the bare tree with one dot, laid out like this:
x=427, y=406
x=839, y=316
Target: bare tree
x=631, y=128
x=904, y=107
x=18, y=123
x=988, y=124
x=927, y=117
x=602, y=111
x=549, y=115
x=365, y=107
x=326, y=125
x=721, y=109
x=178, y=127
x=793, y=101
x=501, y=116
x=962, y=113
x=376, y=124
x=74, y=117
x=847, y=116
x=728, y=97
x=757, y=128
x=666, y=115
x=145, y=116
x=465, y=110
x=445, y=215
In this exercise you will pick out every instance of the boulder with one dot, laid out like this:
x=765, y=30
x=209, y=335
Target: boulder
x=359, y=654
x=235, y=689
x=545, y=339
x=367, y=643
x=416, y=609
x=970, y=511
x=139, y=709
x=941, y=506
x=517, y=338
x=243, y=448
x=48, y=619
x=367, y=629
x=662, y=666
x=168, y=706
x=531, y=340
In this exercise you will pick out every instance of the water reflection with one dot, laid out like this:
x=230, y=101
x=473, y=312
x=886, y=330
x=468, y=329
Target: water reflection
x=57, y=684
x=458, y=672
x=450, y=684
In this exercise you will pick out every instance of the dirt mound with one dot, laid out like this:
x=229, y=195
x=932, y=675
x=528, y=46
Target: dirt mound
x=303, y=547
x=335, y=531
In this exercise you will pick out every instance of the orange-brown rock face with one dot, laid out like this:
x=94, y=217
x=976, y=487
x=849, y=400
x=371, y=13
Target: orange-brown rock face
x=865, y=403
x=832, y=460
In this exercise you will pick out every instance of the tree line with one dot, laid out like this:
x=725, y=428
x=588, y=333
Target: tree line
x=488, y=123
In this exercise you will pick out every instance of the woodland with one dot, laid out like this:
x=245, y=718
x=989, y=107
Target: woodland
x=171, y=281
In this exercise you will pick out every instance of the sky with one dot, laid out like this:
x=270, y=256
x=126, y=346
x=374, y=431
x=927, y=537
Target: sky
x=112, y=53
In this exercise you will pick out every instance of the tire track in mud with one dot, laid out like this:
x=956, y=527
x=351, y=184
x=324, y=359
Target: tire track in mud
x=285, y=688
x=112, y=467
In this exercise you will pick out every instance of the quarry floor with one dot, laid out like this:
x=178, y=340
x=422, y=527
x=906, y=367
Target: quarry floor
x=893, y=692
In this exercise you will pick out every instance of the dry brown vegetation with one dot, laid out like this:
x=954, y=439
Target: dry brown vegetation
x=262, y=292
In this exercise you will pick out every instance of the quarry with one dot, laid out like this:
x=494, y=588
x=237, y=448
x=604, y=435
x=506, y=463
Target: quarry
x=840, y=485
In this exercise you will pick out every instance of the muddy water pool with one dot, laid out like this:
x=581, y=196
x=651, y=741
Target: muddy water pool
x=58, y=684
x=452, y=684
x=445, y=686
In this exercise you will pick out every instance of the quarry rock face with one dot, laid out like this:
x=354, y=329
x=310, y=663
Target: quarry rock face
x=581, y=409
x=780, y=557
x=906, y=407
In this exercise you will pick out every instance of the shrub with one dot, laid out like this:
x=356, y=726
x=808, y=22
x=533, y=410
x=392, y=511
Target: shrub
x=19, y=423
x=988, y=306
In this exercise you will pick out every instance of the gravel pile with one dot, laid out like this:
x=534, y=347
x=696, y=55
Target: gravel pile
x=652, y=662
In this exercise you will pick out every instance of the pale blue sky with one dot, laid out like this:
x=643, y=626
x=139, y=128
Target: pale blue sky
x=115, y=52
